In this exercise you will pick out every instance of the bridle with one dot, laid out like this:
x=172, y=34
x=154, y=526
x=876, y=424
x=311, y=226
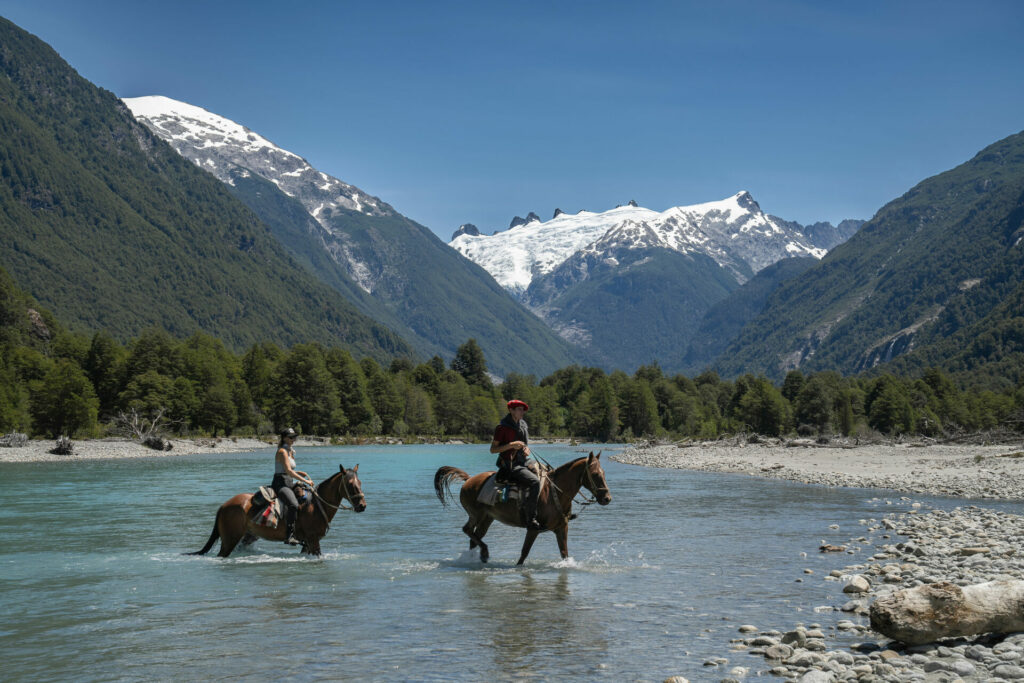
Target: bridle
x=346, y=493
x=595, y=490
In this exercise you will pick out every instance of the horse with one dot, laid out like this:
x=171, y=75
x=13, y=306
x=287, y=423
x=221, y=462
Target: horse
x=233, y=525
x=554, y=505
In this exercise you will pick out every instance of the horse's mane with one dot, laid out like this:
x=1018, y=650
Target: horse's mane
x=565, y=466
x=328, y=480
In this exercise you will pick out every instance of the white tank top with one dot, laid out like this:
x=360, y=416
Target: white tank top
x=278, y=469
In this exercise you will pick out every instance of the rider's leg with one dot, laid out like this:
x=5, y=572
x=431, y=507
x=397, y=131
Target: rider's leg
x=525, y=477
x=287, y=497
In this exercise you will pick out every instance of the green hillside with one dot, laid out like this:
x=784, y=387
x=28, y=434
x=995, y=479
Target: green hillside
x=443, y=298
x=643, y=310
x=939, y=263
x=111, y=229
x=725, y=319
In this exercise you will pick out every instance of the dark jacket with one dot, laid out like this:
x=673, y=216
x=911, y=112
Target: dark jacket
x=507, y=431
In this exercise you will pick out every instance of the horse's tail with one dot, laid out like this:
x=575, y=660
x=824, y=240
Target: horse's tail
x=443, y=479
x=214, y=535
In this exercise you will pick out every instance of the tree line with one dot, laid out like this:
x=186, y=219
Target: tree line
x=83, y=386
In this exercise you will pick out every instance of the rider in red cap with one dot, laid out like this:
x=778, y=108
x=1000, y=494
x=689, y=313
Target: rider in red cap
x=511, y=439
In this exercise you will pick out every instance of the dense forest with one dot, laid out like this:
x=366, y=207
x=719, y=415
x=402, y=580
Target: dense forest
x=56, y=382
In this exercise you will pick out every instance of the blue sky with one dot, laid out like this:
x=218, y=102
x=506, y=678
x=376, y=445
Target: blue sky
x=474, y=112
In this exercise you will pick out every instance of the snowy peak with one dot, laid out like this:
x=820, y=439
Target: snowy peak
x=732, y=231
x=227, y=149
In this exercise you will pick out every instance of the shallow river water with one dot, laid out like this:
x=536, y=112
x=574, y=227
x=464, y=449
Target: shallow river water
x=95, y=586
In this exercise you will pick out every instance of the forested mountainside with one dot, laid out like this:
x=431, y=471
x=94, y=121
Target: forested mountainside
x=933, y=271
x=389, y=266
x=107, y=226
x=725, y=319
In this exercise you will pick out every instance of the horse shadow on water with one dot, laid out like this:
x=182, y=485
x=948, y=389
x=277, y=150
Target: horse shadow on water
x=233, y=524
x=554, y=506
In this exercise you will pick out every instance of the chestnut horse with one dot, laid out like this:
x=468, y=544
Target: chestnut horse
x=314, y=519
x=554, y=506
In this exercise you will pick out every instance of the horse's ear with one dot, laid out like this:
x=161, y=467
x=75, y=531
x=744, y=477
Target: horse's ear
x=341, y=468
x=356, y=468
x=590, y=457
x=598, y=456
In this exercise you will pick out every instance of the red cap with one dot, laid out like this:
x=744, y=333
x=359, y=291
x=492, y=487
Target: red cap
x=516, y=403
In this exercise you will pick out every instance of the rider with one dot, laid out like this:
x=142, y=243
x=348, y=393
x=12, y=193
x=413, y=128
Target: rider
x=511, y=439
x=285, y=476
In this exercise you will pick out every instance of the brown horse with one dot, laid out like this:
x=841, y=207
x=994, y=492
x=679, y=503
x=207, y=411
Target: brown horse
x=554, y=506
x=313, y=522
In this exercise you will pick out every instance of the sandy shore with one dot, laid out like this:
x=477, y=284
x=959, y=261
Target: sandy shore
x=968, y=471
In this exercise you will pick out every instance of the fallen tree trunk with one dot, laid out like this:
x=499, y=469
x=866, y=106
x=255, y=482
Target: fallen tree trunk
x=924, y=614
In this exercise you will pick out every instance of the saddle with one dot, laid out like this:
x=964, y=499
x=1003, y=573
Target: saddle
x=499, y=488
x=266, y=509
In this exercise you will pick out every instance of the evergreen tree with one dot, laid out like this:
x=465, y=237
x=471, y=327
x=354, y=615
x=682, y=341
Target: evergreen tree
x=353, y=393
x=307, y=396
x=762, y=407
x=105, y=367
x=65, y=402
x=385, y=399
x=469, y=362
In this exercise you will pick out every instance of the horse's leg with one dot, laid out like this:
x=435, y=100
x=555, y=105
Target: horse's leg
x=531, y=536
x=232, y=525
x=562, y=536
x=475, y=538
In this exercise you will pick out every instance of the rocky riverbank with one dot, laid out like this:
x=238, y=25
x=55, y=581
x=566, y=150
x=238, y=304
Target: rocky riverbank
x=965, y=471
x=117, y=448
x=965, y=546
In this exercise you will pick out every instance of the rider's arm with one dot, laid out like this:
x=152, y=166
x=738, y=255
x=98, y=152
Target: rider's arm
x=513, y=446
x=294, y=474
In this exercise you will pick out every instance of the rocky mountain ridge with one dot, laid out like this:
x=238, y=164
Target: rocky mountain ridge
x=734, y=232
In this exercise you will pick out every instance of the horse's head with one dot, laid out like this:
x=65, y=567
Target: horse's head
x=594, y=479
x=352, y=488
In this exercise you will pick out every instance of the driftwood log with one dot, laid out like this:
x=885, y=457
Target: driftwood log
x=924, y=614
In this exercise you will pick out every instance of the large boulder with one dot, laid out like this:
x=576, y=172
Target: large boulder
x=927, y=613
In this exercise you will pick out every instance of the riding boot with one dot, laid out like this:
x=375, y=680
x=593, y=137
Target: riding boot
x=290, y=529
x=531, y=508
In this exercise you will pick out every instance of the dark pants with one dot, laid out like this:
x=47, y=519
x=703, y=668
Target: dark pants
x=287, y=496
x=524, y=476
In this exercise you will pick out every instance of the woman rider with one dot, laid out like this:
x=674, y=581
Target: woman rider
x=285, y=476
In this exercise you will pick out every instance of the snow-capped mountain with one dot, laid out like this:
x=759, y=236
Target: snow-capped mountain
x=222, y=146
x=632, y=285
x=734, y=232
x=393, y=268
x=232, y=153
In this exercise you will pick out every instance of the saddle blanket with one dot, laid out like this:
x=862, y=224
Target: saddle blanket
x=266, y=509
